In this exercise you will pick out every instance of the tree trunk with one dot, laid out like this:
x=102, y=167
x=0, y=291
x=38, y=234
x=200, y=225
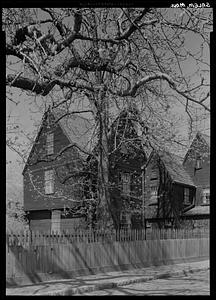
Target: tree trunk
x=104, y=215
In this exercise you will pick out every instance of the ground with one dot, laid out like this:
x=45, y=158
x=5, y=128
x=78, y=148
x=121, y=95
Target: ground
x=190, y=284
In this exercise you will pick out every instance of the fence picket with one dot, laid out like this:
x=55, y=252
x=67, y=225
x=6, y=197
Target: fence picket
x=37, y=252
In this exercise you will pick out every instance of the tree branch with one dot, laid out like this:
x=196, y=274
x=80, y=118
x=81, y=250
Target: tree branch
x=56, y=22
x=42, y=88
x=164, y=76
x=133, y=26
x=60, y=153
x=84, y=65
x=30, y=85
x=72, y=113
x=10, y=50
x=142, y=81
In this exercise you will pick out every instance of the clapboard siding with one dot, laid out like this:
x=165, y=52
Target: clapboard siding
x=33, y=176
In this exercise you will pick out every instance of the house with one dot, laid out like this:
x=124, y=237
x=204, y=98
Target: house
x=197, y=164
x=57, y=177
x=52, y=181
x=127, y=153
x=169, y=190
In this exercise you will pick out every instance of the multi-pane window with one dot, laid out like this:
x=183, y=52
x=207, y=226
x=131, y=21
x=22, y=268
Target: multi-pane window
x=186, y=196
x=206, y=196
x=49, y=182
x=126, y=182
x=154, y=175
x=50, y=143
x=198, y=163
x=125, y=219
x=153, y=193
x=154, y=190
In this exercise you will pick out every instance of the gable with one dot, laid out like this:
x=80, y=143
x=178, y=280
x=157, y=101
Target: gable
x=200, y=146
x=173, y=166
x=125, y=135
x=79, y=129
x=60, y=140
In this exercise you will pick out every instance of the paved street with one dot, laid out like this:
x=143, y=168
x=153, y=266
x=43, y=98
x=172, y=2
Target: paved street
x=191, y=284
x=190, y=278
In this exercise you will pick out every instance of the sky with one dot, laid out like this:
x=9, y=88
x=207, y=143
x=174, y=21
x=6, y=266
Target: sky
x=29, y=110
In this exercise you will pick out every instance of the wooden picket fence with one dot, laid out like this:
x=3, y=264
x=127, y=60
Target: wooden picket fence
x=30, y=256
x=94, y=236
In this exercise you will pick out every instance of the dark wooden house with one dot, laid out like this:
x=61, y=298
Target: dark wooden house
x=53, y=172
x=197, y=164
x=127, y=153
x=56, y=187
x=169, y=190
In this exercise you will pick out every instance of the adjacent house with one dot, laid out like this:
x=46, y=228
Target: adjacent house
x=197, y=164
x=178, y=193
x=169, y=190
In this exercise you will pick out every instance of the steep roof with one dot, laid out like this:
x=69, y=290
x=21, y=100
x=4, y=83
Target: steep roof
x=203, y=147
x=174, y=167
x=132, y=116
x=198, y=210
x=205, y=137
x=79, y=128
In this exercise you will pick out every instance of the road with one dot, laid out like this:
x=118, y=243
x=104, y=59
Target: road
x=190, y=284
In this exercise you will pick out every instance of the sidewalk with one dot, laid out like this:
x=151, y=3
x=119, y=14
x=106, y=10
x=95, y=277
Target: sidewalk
x=107, y=280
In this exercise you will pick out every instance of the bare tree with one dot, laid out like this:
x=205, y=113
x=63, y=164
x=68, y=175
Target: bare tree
x=112, y=58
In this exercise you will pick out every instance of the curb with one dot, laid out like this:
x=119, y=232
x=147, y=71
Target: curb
x=110, y=285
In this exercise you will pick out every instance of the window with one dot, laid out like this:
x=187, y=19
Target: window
x=198, y=163
x=56, y=221
x=153, y=194
x=125, y=219
x=126, y=182
x=206, y=196
x=186, y=196
x=154, y=175
x=154, y=190
x=49, y=182
x=50, y=143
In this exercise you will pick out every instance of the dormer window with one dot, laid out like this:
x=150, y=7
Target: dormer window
x=50, y=143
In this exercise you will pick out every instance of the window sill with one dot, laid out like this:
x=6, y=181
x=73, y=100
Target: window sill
x=153, y=203
x=205, y=204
